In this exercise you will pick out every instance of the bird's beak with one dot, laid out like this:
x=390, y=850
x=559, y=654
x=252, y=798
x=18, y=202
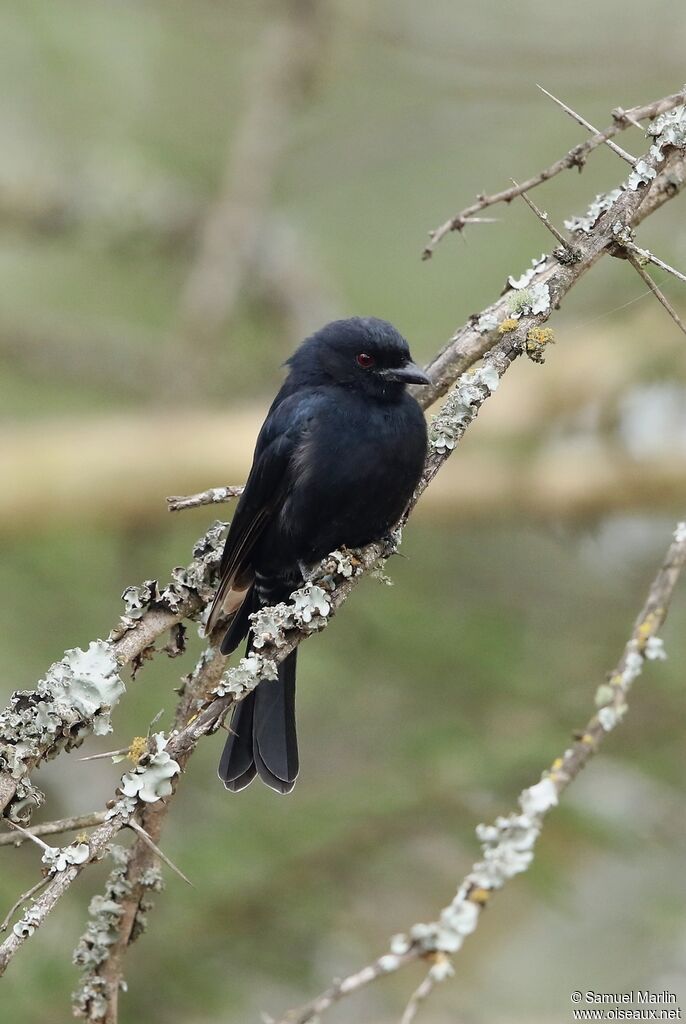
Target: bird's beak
x=407, y=374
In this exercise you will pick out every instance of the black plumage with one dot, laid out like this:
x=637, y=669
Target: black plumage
x=335, y=464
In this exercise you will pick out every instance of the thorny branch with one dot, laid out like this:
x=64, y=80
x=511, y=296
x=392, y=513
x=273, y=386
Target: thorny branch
x=508, y=844
x=576, y=157
x=78, y=693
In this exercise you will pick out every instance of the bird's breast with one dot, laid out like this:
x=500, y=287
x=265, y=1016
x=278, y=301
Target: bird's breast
x=353, y=476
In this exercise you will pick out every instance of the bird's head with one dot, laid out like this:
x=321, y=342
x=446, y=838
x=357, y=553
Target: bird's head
x=362, y=353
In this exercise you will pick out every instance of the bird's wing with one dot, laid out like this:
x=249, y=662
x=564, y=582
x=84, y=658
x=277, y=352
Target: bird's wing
x=278, y=444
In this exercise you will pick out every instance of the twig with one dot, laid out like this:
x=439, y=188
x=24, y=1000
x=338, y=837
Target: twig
x=51, y=828
x=28, y=835
x=645, y=254
x=543, y=217
x=587, y=124
x=574, y=158
x=132, y=824
x=22, y=899
x=420, y=994
x=214, y=496
x=510, y=853
x=645, y=276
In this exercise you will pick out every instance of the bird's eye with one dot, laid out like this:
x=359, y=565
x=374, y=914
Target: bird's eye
x=365, y=360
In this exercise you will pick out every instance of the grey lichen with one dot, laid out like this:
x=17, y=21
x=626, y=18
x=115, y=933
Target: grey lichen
x=537, y=267
x=507, y=848
x=487, y=322
x=642, y=174
x=530, y=301
x=598, y=207
x=151, y=778
x=90, y=999
x=244, y=677
x=58, y=858
x=28, y=923
x=307, y=611
x=74, y=698
x=668, y=129
x=463, y=400
x=196, y=579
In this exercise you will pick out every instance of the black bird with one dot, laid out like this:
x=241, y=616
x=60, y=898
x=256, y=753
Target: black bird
x=335, y=464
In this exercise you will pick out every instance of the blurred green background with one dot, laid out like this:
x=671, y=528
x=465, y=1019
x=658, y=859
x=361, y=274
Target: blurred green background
x=185, y=190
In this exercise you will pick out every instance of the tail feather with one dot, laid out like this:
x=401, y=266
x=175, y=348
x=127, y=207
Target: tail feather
x=237, y=766
x=263, y=738
x=275, y=744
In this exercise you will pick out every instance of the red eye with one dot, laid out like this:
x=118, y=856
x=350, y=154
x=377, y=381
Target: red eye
x=365, y=360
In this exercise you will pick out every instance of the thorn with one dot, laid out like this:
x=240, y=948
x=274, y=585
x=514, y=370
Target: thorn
x=29, y=835
x=543, y=217
x=655, y=290
x=139, y=830
x=623, y=115
x=646, y=255
x=107, y=753
x=587, y=124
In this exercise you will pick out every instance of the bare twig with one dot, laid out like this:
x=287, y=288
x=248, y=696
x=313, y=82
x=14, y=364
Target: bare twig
x=587, y=124
x=51, y=828
x=420, y=994
x=214, y=496
x=576, y=157
x=645, y=276
x=510, y=841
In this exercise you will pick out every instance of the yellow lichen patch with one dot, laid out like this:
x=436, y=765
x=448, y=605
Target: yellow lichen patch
x=556, y=765
x=139, y=745
x=82, y=837
x=646, y=629
x=541, y=336
x=536, y=341
x=480, y=896
x=507, y=325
